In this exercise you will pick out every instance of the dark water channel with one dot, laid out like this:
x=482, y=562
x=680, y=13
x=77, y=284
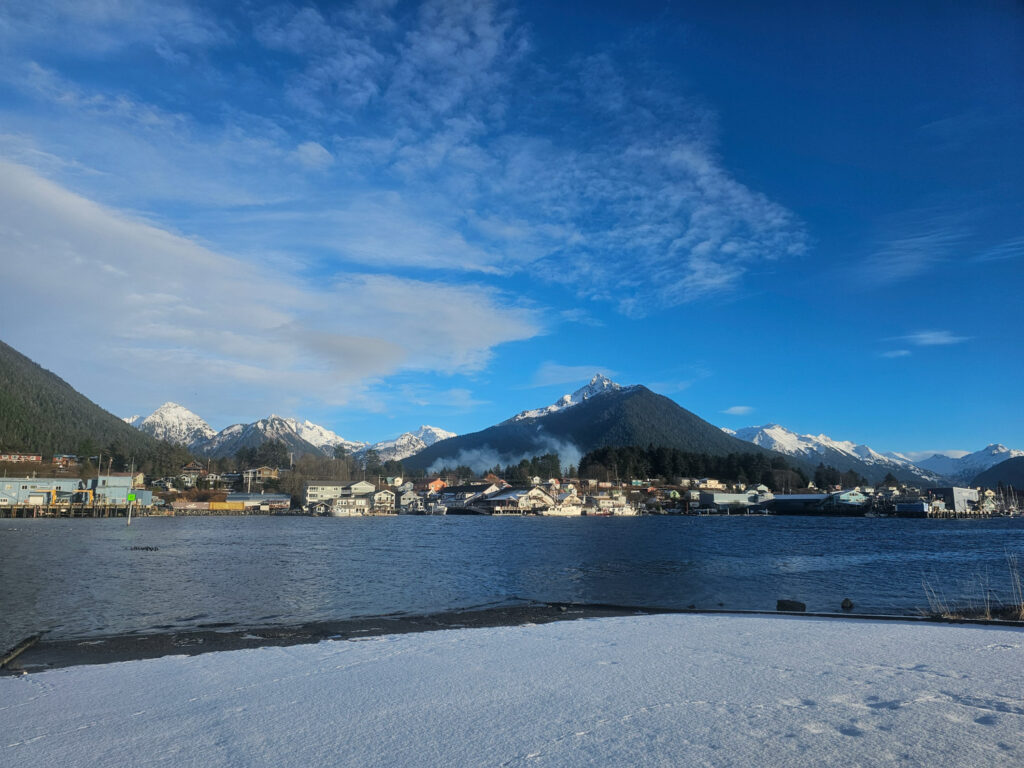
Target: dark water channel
x=80, y=578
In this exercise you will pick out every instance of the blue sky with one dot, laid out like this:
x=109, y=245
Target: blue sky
x=379, y=214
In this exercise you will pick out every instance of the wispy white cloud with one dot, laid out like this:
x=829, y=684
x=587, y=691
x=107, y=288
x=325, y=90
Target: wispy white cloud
x=1010, y=249
x=738, y=410
x=177, y=305
x=313, y=155
x=550, y=373
x=932, y=338
x=580, y=316
x=919, y=241
x=172, y=29
x=896, y=353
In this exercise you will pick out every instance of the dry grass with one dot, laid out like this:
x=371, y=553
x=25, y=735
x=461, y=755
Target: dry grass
x=983, y=604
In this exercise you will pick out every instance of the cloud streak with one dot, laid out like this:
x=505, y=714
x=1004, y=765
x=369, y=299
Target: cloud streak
x=933, y=338
x=162, y=303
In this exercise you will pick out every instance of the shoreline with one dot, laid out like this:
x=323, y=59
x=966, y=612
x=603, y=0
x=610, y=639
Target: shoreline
x=48, y=654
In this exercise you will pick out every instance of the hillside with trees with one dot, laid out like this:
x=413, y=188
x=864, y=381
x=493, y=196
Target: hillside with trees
x=41, y=413
x=631, y=462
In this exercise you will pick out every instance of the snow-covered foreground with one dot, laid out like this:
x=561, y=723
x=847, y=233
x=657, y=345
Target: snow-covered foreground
x=656, y=690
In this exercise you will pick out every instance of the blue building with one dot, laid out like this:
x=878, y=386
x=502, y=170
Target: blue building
x=110, y=490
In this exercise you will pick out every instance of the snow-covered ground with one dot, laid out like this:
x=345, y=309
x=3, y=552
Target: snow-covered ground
x=655, y=690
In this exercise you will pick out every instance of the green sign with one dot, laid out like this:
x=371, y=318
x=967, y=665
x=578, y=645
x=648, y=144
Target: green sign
x=131, y=497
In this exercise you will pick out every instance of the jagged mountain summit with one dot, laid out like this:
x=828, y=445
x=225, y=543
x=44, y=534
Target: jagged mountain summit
x=965, y=468
x=275, y=428
x=844, y=455
x=408, y=443
x=176, y=424
x=321, y=437
x=598, y=385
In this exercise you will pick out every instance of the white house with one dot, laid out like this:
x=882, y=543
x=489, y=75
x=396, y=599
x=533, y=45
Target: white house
x=384, y=501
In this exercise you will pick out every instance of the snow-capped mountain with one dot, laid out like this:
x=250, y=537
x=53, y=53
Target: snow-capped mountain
x=841, y=454
x=407, y=444
x=179, y=425
x=132, y=421
x=598, y=385
x=321, y=437
x=174, y=423
x=965, y=468
x=299, y=437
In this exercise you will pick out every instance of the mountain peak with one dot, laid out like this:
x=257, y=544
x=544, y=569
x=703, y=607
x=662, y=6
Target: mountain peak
x=598, y=385
x=176, y=424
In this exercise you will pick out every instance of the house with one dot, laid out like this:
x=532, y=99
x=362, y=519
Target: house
x=393, y=482
x=409, y=500
x=193, y=469
x=566, y=505
x=435, y=485
x=345, y=506
x=324, y=490
x=320, y=508
x=608, y=504
x=384, y=501
x=462, y=495
x=516, y=501
x=358, y=488
x=261, y=474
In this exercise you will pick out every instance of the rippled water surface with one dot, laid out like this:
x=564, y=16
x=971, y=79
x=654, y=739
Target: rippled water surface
x=82, y=577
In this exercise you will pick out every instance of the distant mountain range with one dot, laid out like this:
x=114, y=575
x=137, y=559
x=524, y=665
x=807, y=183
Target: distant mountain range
x=938, y=469
x=843, y=455
x=966, y=468
x=600, y=413
x=180, y=426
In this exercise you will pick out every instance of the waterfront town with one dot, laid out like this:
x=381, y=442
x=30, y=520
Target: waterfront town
x=63, y=492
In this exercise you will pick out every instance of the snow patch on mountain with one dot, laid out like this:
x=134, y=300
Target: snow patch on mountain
x=965, y=468
x=597, y=386
x=777, y=438
x=321, y=437
x=408, y=443
x=176, y=424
